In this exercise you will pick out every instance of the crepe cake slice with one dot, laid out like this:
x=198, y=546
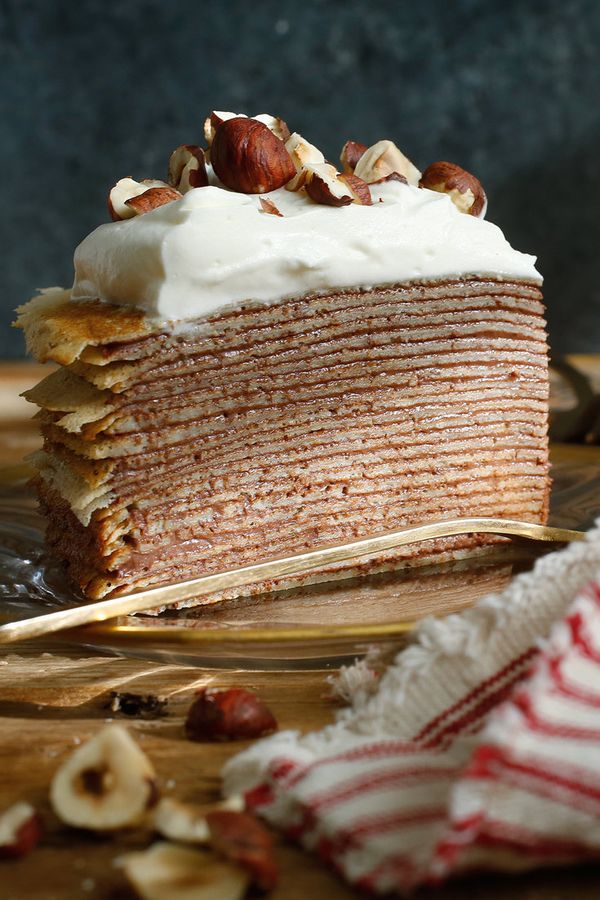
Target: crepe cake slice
x=225, y=411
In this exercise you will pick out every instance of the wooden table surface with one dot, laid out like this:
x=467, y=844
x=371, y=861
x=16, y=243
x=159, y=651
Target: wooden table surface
x=52, y=699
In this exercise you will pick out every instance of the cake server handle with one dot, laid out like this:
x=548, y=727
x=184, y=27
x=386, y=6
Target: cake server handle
x=298, y=563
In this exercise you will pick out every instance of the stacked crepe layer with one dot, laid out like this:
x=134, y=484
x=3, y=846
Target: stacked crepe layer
x=268, y=430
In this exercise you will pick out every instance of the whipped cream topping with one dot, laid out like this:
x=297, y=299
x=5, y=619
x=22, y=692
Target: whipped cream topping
x=215, y=248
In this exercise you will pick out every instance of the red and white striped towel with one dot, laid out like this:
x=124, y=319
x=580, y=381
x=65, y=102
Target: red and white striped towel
x=478, y=748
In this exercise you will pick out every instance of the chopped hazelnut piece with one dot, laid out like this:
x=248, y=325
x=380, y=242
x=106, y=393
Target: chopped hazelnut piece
x=382, y=159
x=465, y=191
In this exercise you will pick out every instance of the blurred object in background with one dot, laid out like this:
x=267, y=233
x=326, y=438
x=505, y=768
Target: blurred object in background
x=508, y=89
x=575, y=399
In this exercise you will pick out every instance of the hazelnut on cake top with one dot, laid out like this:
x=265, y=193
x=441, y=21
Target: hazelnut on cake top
x=266, y=354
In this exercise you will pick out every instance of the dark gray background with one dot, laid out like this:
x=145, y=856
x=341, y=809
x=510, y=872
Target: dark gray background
x=93, y=90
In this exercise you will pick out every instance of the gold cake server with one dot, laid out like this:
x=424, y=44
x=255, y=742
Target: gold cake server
x=297, y=563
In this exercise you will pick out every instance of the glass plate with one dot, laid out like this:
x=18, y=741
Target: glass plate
x=315, y=626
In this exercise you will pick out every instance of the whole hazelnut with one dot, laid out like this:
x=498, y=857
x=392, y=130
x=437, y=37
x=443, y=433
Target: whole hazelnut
x=247, y=157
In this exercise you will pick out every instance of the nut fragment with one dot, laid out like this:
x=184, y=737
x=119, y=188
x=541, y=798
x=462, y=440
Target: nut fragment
x=302, y=154
x=269, y=207
x=187, y=168
x=382, y=159
x=393, y=176
x=107, y=783
x=124, y=190
x=324, y=185
x=20, y=830
x=274, y=124
x=228, y=715
x=358, y=188
x=152, y=199
x=465, y=191
x=216, y=118
x=179, y=821
x=350, y=155
x=247, y=157
x=168, y=872
x=186, y=822
x=243, y=839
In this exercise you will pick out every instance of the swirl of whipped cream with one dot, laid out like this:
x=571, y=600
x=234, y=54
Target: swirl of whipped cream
x=214, y=248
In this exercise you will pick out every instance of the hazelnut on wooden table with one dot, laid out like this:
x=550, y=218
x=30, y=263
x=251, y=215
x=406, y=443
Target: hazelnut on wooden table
x=20, y=830
x=167, y=871
x=179, y=821
x=106, y=784
x=243, y=839
x=228, y=715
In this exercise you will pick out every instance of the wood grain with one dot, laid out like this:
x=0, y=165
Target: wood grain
x=51, y=699
x=48, y=703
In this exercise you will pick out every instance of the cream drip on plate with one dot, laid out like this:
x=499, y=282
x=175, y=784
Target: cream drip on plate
x=215, y=248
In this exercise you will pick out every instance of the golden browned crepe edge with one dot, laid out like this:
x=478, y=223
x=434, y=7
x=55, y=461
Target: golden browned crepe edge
x=59, y=329
x=63, y=391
